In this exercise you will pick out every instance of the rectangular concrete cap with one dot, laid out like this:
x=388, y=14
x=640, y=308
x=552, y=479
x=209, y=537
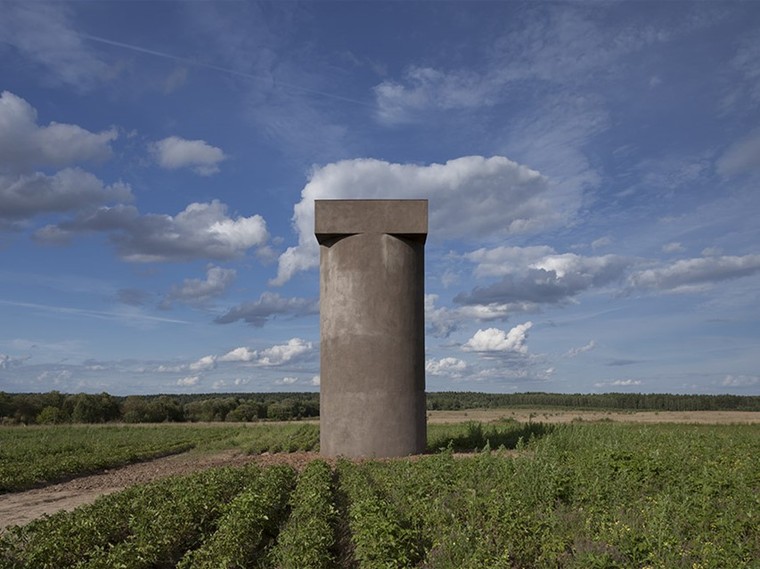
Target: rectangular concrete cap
x=351, y=217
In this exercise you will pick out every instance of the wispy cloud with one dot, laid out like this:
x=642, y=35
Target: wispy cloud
x=126, y=316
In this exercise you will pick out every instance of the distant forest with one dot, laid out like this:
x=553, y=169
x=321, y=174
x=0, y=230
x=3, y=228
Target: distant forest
x=55, y=407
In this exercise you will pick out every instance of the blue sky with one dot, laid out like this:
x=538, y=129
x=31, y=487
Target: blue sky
x=592, y=172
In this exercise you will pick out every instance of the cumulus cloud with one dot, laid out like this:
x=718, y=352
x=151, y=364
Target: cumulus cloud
x=572, y=352
x=496, y=340
x=441, y=321
x=452, y=367
x=740, y=381
x=283, y=353
x=200, y=231
x=694, y=274
x=7, y=362
x=287, y=381
x=269, y=305
x=619, y=383
x=25, y=145
x=203, y=364
x=71, y=189
x=504, y=260
x=470, y=197
x=189, y=381
x=535, y=275
x=315, y=380
x=241, y=354
x=174, y=152
x=279, y=354
x=198, y=291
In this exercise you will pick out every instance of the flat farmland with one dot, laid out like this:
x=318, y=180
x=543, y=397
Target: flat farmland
x=498, y=488
x=570, y=415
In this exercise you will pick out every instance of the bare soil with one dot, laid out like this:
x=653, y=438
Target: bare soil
x=19, y=508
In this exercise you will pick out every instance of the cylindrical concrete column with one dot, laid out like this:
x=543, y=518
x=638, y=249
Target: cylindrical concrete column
x=372, y=391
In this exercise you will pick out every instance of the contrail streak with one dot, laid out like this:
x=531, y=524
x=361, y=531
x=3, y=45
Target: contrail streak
x=102, y=314
x=213, y=67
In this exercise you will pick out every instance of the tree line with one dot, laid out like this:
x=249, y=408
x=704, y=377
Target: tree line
x=55, y=407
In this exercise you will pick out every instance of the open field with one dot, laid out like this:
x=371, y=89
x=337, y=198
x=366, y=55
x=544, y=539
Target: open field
x=567, y=416
x=579, y=494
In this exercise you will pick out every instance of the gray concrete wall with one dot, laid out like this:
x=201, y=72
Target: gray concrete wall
x=372, y=391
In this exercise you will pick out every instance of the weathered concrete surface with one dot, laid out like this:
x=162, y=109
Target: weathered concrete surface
x=372, y=392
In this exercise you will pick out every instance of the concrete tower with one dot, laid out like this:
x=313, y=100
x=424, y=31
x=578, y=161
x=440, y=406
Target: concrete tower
x=372, y=326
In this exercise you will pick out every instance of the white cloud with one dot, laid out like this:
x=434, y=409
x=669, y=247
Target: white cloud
x=269, y=305
x=619, y=383
x=536, y=275
x=189, y=381
x=199, y=292
x=200, y=231
x=43, y=34
x=431, y=89
x=601, y=242
x=70, y=189
x=24, y=144
x=470, y=197
x=282, y=353
x=203, y=364
x=741, y=156
x=287, y=381
x=504, y=260
x=241, y=354
x=315, y=380
x=278, y=354
x=496, y=340
x=7, y=362
x=441, y=321
x=163, y=368
x=565, y=47
x=175, y=152
x=446, y=366
x=693, y=274
x=572, y=352
x=712, y=252
x=673, y=247
x=747, y=63
x=741, y=381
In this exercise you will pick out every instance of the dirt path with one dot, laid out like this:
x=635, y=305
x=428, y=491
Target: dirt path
x=19, y=508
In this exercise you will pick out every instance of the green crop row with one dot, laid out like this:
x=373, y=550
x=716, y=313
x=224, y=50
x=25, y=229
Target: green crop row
x=150, y=525
x=32, y=456
x=575, y=496
x=249, y=524
x=308, y=539
x=382, y=537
